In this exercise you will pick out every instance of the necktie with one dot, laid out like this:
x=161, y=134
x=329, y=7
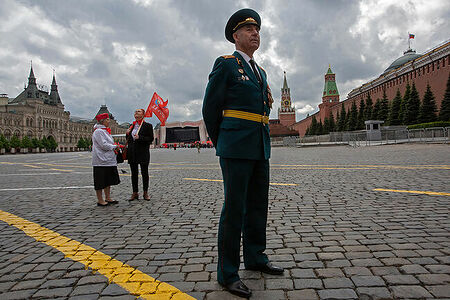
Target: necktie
x=253, y=64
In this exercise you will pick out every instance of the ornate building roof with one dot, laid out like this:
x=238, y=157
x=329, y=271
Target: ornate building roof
x=32, y=91
x=408, y=55
x=54, y=95
x=103, y=109
x=330, y=87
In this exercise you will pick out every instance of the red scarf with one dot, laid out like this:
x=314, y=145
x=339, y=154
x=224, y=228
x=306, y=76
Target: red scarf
x=138, y=122
x=107, y=129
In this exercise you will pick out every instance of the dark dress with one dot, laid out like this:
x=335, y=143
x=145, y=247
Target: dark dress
x=138, y=153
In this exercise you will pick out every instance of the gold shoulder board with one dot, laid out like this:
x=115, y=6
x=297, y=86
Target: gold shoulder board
x=228, y=56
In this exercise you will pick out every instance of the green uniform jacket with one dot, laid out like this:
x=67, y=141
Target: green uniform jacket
x=233, y=85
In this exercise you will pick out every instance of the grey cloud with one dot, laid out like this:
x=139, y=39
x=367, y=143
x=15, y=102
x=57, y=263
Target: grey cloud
x=120, y=52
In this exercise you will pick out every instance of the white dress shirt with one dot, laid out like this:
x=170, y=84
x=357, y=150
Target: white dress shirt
x=247, y=60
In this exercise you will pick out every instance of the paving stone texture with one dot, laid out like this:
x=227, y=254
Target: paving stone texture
x=336, y=237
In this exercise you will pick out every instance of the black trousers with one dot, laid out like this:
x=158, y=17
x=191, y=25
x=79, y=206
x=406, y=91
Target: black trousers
x=135, y=174
x=246, y=187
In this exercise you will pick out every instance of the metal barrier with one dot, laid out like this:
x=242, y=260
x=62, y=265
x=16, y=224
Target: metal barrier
x=359, y=138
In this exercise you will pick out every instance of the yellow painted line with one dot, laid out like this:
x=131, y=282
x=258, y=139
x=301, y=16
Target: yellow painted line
x=287, y=184
x=73, y=166
x=413, y=192
x=44, y=164
x=203, y=179
x=31, y=166
x=61, y=170
x=136, y=282
x=219, y=180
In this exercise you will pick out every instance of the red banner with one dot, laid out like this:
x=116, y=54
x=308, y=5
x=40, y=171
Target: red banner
x=158, y=107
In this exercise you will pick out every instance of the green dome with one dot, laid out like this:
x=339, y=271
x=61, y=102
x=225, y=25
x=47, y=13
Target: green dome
x=408, y=55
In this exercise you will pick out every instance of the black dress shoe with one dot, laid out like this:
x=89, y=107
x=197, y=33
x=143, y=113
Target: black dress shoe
x=238, y=288
x=268, y=269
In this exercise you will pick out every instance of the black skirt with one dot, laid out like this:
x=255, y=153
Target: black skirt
x=105, y=176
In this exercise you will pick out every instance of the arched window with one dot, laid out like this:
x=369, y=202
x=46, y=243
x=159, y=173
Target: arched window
x=7, y=134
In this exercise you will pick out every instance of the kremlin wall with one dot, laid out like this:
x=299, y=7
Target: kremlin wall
x=430, y=68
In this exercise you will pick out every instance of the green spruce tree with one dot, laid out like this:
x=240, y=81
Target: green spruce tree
x=332, y=123
x=4, y=143
x=52, y=143
x=353, y=117
x=383, y=114
x=36, y=143
x=320, y=128
x=347, y=118
x=45, y=144
x=411, y=113
x=326, y=125
x=343, y=119
x=444, y=112
x=376, y=110
x=368, y=109
x=428, y=108
x=361, y=117
x=338, y=118
x=313, y=127
x=405, y=100
x=394, y=110
x=26, y=142
x=15, y=142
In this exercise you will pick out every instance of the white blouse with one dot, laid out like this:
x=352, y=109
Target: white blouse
x=103, y=148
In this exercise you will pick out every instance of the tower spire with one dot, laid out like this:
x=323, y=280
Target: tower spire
x=286, y=113
x=330, y=91
x=31, y=78
x=54, y=95
x=285, y=86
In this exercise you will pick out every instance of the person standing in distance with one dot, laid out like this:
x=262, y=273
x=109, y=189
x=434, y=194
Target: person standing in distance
x=236, y=110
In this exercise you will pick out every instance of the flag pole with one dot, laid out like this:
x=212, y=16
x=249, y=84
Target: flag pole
x=409, y=41
x=137, y=132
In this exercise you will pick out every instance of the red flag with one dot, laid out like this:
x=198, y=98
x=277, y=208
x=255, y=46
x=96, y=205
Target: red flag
x=159, y=108
x=411, y=36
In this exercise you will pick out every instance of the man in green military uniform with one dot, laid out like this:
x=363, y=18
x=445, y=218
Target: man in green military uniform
x=236, y=112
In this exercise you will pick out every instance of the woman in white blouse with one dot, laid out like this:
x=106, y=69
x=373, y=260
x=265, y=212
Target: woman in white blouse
x=104, y=160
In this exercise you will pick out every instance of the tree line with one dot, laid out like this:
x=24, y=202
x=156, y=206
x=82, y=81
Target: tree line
x=406, y=110
x=45, y=143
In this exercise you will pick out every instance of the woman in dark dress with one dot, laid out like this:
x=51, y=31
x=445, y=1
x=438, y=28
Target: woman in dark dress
x=104, y=160
x=139, y=137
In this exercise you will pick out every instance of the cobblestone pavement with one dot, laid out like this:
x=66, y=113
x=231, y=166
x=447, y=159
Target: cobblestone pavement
x=337, y=237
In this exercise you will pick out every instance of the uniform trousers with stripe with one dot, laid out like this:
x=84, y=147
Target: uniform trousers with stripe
x=246, y=186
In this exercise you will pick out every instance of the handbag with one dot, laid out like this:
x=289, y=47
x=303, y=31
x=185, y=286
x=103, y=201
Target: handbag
x=119, y=156
x=124, y=151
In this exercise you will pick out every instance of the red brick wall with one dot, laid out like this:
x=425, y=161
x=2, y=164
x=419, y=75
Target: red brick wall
x=435, y=73
x=287, y=119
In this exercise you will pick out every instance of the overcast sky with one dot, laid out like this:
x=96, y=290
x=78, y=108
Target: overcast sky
x=119, y=52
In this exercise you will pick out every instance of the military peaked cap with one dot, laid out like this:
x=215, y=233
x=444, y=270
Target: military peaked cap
x=240, y=18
